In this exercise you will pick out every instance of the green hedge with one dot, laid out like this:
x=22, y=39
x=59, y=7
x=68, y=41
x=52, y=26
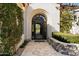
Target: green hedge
x=11, y=27
x=66, y=37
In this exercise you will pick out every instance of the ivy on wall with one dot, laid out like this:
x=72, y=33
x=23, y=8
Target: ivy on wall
x=11, y=27
x=66, y=18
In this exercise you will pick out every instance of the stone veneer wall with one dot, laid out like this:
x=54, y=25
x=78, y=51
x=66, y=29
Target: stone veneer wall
x=65, y=48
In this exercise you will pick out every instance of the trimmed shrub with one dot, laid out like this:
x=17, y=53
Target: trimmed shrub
x=11, y=27
x=66, y=37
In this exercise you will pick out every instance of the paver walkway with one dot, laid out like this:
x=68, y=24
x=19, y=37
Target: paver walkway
x=40, y=49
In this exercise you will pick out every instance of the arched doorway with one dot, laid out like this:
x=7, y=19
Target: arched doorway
x=39, y=26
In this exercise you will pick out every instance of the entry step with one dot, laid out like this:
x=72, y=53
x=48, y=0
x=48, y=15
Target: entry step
x=43, y=40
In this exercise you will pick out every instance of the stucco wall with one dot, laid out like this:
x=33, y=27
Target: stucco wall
x=52, y=14
x=75, y=27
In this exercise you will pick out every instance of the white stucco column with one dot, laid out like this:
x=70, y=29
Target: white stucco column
x=24, y=14
x=27, y=25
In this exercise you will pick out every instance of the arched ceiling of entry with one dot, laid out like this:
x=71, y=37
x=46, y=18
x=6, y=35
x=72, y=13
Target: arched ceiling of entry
x=39, y=11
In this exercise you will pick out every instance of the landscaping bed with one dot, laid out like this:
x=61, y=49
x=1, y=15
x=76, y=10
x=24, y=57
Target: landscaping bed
x=66, y=37
x=65, y=43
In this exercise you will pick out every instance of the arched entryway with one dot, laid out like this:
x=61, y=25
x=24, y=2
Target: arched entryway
x=39, y=26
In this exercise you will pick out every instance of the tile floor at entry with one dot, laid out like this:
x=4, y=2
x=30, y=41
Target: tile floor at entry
x=39, y=49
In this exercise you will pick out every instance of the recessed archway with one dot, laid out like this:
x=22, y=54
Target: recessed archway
x=52, y=19
x=39, y=26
